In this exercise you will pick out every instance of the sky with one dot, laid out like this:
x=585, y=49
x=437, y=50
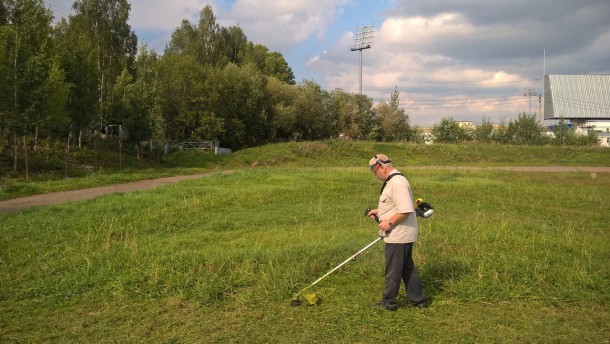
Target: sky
x=465, y=59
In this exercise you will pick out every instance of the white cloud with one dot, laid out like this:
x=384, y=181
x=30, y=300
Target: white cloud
x=282, y=24
x=418, y=31
x=431, y=50
x=436, y=64
x=164, y=15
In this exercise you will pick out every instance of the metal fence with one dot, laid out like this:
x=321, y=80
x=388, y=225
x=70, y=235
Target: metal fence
x=202, y=145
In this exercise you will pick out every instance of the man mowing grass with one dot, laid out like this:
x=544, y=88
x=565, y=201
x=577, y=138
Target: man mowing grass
x=398, y=225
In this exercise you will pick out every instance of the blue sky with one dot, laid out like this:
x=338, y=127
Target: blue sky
x=466, y=59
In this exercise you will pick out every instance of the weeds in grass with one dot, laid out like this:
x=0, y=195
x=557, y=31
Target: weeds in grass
x=507, y=256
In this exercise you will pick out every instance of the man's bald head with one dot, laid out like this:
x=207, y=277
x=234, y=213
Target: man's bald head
x=380, y=159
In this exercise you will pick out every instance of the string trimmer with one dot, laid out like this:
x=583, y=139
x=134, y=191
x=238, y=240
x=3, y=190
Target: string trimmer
x=423, y=209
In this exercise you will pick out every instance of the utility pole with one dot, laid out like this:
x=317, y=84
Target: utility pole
x=543, y=75
x=530, y=93
x=540, y=109
x=362, y=40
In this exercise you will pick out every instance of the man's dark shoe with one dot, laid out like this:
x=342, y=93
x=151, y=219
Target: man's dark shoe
x=403, y=301
x=388, y=306
x=423, y=304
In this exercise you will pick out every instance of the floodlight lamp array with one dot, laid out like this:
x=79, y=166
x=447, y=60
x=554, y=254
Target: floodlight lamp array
x=363, y=38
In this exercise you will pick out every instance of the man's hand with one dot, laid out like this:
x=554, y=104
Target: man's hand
x=385, y=226
x=372, y=214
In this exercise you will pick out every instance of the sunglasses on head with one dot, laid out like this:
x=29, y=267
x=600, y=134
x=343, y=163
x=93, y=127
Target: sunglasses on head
x=379, y=162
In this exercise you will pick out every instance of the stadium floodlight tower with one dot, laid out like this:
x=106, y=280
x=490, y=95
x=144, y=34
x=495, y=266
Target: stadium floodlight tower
x=362, y=40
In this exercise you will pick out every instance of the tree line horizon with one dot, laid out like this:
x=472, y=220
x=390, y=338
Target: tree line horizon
x=87, y=72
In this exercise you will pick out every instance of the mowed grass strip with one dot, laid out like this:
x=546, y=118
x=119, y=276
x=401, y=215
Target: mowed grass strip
x=507, y=256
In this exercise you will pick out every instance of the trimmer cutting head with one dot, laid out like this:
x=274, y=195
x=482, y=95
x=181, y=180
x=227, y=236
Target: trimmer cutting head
x=309, y=297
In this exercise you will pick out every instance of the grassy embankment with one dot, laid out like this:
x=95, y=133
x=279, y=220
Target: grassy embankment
x=507, y=257
x=47, y=174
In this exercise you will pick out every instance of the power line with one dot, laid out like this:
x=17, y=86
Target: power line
x=459, y=102
x=451, y=100
x=442, y=83
x=454, y=103
x=423, y=107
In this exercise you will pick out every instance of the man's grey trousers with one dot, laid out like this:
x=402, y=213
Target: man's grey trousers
x=399, y=266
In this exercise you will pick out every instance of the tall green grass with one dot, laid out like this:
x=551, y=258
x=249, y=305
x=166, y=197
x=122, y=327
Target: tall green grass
x=507, y=257
x=348, y=153
x=332, y=153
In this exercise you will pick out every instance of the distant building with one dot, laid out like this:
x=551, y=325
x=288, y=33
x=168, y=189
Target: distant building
x=583, y=100
x=466, y=124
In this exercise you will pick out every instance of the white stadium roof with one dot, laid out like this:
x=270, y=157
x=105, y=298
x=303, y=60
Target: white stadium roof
x=577, y=96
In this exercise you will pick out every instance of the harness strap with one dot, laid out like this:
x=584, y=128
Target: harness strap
x=388, y=179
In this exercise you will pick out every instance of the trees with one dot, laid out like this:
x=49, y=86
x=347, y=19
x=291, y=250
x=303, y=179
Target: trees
x=280, y=109
x=25, y=41
x=3, y=13
x=565, y=135
x=114, y=44
x=500, y=135
x=183, y=41
x=236, y=94
x=147, y=86
x=26, y=62
x=311, y=105
x=484, y=132
x=207, y=42
x=182, y=94
x=227, y=96
x=233, y=44
x=350, y=114
x=276, y=66
x=394, y=122
x=589, y=139
x=448, y=131
x=54, y=118
x=202, y=42
x=5, y=73
x=78, y=60
x=525, y=130
x=270, y=64
x=130, y=109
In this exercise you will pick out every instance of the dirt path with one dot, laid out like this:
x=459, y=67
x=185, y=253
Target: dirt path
x=550, y=169
x=17, y=204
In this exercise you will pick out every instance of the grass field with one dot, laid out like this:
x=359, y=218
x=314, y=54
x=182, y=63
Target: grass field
x=47, y=175
x=507, y=256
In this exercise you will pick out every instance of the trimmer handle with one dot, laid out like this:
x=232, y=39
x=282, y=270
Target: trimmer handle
x=366, y=213
x=382, y=234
